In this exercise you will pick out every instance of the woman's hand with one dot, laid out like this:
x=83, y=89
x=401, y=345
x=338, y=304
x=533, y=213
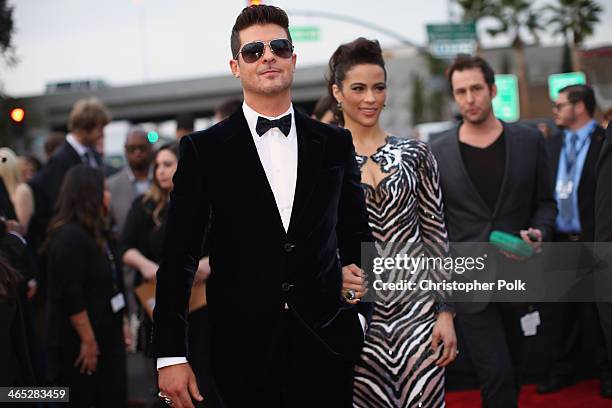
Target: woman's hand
x=32, y=288
x=87, y=359
x=149, y=269
x=444, y=332
x=203, y=271
x=128, y=339
x=353, y=279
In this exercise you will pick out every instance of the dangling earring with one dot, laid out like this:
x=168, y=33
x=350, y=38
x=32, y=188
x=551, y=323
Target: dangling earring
x=339, y=107
x=384, y=105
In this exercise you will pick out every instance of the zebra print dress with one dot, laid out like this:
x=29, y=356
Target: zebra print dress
x=397, y=366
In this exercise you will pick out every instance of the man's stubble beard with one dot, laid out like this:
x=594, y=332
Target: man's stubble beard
x=261, y=89
x=482, y=119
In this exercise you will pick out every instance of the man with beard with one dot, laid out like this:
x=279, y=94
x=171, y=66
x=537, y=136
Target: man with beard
x=494, y=176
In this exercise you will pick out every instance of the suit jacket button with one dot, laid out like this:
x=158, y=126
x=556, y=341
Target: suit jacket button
x=286, y=286
x=288, y=247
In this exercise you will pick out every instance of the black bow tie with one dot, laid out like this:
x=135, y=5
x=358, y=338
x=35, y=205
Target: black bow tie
x=283, y=124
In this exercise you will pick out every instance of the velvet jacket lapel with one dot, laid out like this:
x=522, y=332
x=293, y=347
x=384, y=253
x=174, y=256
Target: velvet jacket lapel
x=310, y=152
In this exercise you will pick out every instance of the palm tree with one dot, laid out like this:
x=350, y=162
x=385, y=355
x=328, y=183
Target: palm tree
x=473, y=11
x=7, y=30
x=575, y=20
x=515, y=18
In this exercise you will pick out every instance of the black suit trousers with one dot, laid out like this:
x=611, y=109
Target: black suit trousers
x=495, y=343
x=303, y=375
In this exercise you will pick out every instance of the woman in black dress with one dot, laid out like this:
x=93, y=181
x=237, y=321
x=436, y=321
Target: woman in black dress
x=141, y=245
x=14, y=353
x=85, y=303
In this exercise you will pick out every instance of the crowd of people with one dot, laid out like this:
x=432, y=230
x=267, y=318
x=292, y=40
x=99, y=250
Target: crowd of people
x=236, y=249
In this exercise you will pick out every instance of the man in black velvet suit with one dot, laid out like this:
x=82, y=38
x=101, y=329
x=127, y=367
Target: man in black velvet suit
x=494, y=176
x=287, y=213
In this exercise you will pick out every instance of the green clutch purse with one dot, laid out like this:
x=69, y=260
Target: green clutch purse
x=510, y=243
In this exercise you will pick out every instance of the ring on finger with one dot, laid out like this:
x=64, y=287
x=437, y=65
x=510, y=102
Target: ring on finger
x=350, y=294
x=166, y=399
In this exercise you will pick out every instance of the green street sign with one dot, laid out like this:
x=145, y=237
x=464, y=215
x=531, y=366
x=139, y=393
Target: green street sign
x=463, y=31
x=448, y=40
x=506, y=103
x=305, y=33
x=557, y=82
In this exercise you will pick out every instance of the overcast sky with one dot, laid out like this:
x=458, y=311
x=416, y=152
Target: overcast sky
x=135, y=41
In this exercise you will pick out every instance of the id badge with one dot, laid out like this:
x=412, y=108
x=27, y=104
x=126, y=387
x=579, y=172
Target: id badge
x=117, y=302
x=565, y=189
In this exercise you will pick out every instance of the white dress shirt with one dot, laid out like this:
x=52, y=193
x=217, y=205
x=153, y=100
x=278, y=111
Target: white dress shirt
x=81, y=150
x=279, y=157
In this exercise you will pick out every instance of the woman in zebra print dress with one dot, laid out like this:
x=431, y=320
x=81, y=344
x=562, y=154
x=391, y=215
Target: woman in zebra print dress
x=402, y=360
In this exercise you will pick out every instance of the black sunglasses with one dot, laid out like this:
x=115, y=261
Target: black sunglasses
x=253, y=51
x=135, y=148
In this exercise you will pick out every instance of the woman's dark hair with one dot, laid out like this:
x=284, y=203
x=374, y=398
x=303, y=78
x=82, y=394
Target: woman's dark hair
x=81, y=200
x=254, y=15
x=346, y=56
x=324, y=104
x=9, y=281
x=156, y=198
x=9, y=277
x=32, y=161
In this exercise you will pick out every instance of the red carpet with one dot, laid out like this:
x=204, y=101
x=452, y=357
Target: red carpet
x=585, y=394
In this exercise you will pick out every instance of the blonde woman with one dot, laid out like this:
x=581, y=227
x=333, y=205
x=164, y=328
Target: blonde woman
x=19, y=192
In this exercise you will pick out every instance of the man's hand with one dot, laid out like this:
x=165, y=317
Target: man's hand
x=353, y=278
x=178, y=383
x=444, y=331
x=533, y=237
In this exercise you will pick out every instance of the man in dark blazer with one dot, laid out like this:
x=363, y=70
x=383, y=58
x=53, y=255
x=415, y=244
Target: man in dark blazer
x=603, y=233
x=287, y=215
x=86, y=124
x=573, y=154
x=494, y=176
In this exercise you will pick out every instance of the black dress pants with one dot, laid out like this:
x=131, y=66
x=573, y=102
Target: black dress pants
x=494, y=340
x=302, y=375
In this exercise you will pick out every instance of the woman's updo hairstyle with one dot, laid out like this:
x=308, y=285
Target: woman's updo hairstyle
x=346, y=56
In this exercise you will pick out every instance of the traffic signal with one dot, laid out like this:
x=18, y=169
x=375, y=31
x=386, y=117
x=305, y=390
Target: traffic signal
x=254, y=2
x=17, y=115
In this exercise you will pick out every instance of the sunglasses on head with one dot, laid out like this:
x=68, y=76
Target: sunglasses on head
x=253, y=51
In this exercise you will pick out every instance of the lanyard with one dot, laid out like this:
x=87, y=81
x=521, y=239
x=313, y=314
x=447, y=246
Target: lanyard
x=113, y=265
x=571, y=162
